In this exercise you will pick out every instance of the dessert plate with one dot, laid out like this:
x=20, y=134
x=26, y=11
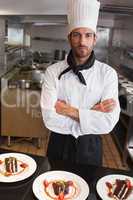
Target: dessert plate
x=79, y=190
x=25, y=164
x=102, y=189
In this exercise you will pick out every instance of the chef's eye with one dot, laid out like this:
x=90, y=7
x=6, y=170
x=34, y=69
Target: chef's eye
x=76, y=35
x=89, y=35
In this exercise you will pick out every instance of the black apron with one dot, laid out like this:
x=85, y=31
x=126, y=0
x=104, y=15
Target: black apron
x=85, y=149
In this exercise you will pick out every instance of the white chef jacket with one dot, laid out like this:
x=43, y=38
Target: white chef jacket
x=102, y=84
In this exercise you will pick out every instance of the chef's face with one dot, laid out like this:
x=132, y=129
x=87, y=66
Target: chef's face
x=82, y=41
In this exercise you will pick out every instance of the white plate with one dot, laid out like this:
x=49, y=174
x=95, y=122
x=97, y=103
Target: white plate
x=82, y=191
x=27, y=172
x=103, y=190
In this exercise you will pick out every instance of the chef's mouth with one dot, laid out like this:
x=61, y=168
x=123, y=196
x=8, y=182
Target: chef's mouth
x=82, y=47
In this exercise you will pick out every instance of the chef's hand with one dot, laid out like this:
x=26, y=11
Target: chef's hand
x=106, y=106
x=65, y=109
x=61, y=107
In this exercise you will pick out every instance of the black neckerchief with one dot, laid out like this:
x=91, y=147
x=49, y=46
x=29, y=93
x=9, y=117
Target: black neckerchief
x=77, y=68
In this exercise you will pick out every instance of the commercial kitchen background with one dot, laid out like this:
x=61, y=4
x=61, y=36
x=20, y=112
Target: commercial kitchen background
x=33, y=35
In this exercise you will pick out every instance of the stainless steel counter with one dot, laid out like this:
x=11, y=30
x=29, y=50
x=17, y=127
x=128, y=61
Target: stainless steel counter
x=25, y=77
x=20, y=105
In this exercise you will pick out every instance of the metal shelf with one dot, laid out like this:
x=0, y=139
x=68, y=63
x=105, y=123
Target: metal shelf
x=47, y=39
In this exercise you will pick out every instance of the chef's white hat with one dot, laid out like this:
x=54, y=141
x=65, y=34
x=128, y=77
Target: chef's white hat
x=83, y=13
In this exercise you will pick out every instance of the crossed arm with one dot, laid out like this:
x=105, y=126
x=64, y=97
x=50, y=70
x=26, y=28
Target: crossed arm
x=65, y=109
x=61, y=117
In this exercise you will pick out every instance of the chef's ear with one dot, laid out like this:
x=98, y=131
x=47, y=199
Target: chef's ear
x=69, y=36
x=95, y=38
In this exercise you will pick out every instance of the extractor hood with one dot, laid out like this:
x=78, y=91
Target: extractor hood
x=44, y=20
x=123, y=3
x=117, y=9
x=123, y=7
x=33, y=7
x=58, y=7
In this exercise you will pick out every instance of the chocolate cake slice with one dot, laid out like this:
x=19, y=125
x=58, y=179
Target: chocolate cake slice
x=122, y=189
x=60, y=186
x=11, y=165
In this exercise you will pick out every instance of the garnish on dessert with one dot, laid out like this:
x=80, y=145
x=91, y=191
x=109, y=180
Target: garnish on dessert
x=60, y=189
x=23, y=165
x=120, y=189
x=1, y=162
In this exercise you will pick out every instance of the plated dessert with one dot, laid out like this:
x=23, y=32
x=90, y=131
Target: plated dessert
x=115, y=187
x=11, y=166
x=60, y=185
x=16, y=167
x=120, y=189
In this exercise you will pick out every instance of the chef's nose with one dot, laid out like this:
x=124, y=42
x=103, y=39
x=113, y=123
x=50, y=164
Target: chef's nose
x=82, y=40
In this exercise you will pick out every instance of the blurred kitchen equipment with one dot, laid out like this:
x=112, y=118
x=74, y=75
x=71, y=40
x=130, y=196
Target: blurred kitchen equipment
x=36, y=56
x=37, y=75
x=126, y=95
x=42, y=57
x=26, y=78
x=24, y=84
x=20, y=107
x=130, y=53
x=59, y=54
x=122, y=132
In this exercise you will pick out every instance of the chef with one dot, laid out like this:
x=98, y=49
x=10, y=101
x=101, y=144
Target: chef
x=79, y=99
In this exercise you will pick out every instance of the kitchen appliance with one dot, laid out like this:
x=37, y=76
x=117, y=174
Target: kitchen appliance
x=20, y=107
x=124, y=128
x=59, y=54
x=126, y=95
x=27, y=78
